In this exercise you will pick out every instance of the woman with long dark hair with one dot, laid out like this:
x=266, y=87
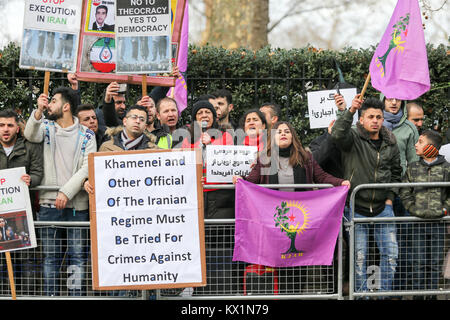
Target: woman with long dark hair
x=285, y=161
x=293, y=165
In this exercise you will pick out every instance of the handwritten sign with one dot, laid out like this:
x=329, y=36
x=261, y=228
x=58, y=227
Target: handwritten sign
x=224, y=162
x=16, y=217
x=147, y=220
x=50, y=36
x=143, y=33
x=322, y=109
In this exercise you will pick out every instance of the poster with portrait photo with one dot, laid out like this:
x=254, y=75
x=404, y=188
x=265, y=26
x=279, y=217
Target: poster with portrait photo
x=95, y=67
x=16, y=217
x=100, y=16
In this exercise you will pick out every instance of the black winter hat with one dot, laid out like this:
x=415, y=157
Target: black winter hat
x=203, y=104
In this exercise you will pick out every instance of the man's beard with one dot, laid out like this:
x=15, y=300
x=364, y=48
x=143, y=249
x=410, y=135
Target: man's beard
x=54, y=116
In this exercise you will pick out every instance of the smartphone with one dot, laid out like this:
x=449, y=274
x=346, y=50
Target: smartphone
x=122, y=88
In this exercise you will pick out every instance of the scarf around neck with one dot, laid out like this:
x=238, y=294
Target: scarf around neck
x=128, y=143
x=392, y=121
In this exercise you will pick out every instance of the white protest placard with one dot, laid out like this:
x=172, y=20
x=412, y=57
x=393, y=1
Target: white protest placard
x=224, y=162
x=322, y=109
x=147, y=220
x=51, y=31
x=16, y=216
x=143, y=35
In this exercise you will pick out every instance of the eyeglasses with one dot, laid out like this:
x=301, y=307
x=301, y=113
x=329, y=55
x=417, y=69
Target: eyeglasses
x=136, y=117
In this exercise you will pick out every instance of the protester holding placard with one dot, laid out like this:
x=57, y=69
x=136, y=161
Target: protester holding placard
x=67, y=144
x=324, y=150
x=131, y=136
x=204, y=130
x=18, y=152
x=112, y=111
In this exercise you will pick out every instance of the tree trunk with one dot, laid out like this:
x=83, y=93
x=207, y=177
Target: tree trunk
x=292, y=248
x=236, y=23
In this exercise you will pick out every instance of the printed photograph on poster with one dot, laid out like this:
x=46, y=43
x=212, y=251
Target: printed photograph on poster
x=16, y=216
x=14, y=231
x=144, y=54
x=143, y=36
x=47, y=50
x=100, y=16
x=98, y=54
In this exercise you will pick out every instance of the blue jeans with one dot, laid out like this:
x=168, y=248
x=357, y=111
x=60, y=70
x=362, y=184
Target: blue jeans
x=428, y=254
x=405, y=234
x=386, y=239
x=52, y=247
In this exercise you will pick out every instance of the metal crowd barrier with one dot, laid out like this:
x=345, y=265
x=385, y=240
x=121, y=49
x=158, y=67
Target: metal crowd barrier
x=228, y=280
x=413, y=270
x=225, y=279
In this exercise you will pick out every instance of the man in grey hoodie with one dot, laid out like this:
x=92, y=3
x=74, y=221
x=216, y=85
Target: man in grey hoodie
x=66, y=145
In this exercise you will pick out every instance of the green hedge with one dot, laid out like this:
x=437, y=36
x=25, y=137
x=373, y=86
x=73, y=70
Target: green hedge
x=278, y=75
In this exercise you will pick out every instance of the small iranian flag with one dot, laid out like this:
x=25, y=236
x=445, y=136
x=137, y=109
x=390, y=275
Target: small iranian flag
x=102, y=55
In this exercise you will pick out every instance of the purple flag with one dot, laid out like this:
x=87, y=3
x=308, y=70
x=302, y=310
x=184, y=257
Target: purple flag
x=284, y=229
x=179, y=92
x=399, y=66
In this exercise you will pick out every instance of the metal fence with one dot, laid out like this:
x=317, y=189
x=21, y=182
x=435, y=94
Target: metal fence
x=226, y=279
x=420, y=253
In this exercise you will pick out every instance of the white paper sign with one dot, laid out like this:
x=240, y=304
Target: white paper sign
x=147, y=220
x=224, y=162
x=322, y=109
x=16, y=217
x=50, y=35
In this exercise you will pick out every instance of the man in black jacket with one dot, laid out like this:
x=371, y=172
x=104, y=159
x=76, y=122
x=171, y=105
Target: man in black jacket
x=18, y=152
x=370, y=154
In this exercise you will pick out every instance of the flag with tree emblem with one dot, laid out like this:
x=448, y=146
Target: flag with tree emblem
x=399, y=66
x=283, y=229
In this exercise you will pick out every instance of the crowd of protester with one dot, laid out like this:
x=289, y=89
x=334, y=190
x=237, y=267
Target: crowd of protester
x=387, y=145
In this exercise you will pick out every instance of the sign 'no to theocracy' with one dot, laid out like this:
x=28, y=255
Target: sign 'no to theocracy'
x=147, y=220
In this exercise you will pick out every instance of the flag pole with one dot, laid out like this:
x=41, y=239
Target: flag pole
x=10, y=275
x=365, y=86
